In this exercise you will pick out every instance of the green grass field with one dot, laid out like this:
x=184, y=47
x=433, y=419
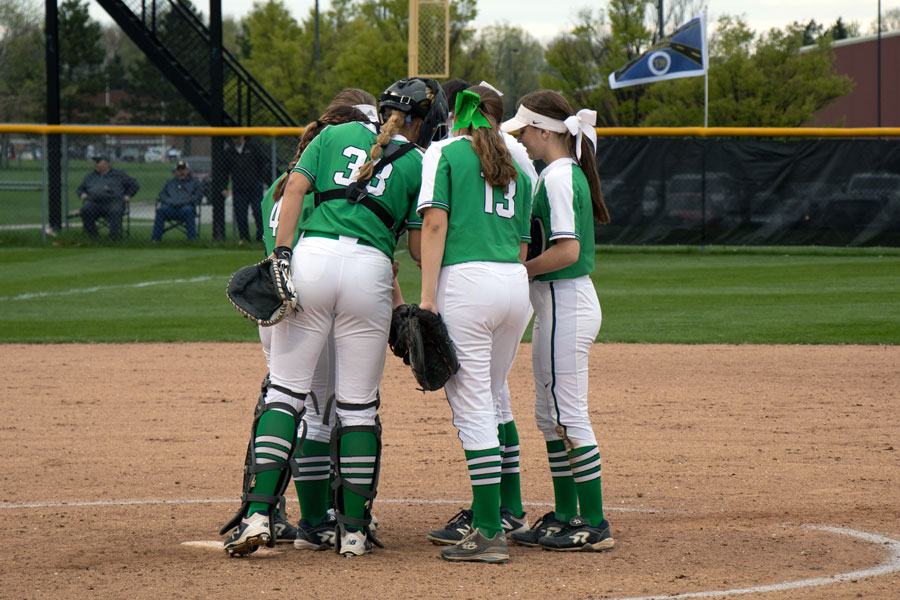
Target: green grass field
x=671, y=295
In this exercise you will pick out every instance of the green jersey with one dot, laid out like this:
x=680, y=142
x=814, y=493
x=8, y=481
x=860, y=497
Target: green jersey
x=272, y=211
x=485, y=223
x=332, y=161
x=563, y=204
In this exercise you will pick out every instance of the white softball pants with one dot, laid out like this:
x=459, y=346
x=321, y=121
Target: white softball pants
x=485, y=307
x=318, y=423
x=567, y=318
x=347, y=286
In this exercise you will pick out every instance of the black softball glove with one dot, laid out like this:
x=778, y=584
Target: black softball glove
x=263, y=292
x=431, y=352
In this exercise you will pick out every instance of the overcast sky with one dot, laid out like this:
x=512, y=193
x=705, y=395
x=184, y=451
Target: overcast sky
x=533, y=17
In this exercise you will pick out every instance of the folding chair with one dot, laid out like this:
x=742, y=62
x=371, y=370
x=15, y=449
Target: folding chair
x=169, y=224
x=102, y=221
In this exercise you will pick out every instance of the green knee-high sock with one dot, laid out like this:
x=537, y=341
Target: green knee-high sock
x=313, y=479
x=358, y=467
x=585, y=463
x=501, y=437
x=566, y=499
x=510, y=485
x=274, y=437
x=484, y=473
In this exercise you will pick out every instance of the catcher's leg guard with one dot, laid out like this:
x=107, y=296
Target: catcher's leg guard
x=251, y=468
x=347, y=478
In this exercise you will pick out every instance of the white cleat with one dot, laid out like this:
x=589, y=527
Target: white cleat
x=251, y=532
x=354, y=543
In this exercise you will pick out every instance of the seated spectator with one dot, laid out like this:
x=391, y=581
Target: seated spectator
x=178, y=200
x=104, y=192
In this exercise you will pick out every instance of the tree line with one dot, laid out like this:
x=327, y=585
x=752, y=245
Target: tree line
x=755, y=79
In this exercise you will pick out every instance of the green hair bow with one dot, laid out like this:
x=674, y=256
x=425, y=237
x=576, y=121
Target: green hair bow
x=467, y=115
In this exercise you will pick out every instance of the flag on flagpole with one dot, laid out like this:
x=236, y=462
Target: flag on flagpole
x=681, y=54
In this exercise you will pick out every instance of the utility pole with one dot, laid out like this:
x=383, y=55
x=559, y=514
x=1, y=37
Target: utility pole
x=662, y=23
x=878, y=63
x=316, y=52
x=52, y=155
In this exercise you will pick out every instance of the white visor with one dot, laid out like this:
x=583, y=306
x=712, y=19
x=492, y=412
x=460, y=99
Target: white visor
x=368, y=110
x=525, y=116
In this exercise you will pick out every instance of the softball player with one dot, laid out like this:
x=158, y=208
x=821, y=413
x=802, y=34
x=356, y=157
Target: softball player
x=342, y=271
x=567, y=316
x=311, y=467
x=512, y=514
x=475, y=206
x=349, y=105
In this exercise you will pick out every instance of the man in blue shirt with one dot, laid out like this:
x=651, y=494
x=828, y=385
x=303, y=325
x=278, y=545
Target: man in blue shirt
x=178, y=200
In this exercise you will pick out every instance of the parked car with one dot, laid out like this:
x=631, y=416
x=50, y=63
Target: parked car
x=155, y=154
x=129, y=154
x=870, y=199
x=684, y=202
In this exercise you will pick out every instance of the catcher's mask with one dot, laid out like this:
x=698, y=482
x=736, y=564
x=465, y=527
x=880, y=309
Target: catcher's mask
x=411, y=97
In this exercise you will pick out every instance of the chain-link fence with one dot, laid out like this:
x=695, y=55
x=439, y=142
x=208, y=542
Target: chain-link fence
x=659, y=190
x=137, y=188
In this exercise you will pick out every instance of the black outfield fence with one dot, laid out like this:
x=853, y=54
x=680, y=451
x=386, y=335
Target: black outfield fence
x=741, y=191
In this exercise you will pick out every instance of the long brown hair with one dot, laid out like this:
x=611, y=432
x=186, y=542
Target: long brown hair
x=351, y=97
x=334, y=115
x=496, y=163
x=393, y=122
x=553, y=105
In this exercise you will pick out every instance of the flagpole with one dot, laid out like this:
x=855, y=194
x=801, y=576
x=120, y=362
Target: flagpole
x=706, y=98
x=706, y=71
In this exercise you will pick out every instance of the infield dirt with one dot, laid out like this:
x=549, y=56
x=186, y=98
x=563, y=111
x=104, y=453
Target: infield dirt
x=715, y=458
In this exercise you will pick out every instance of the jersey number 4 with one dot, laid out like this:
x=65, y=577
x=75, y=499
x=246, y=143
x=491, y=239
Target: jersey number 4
x=505, y=209
x=358, y=158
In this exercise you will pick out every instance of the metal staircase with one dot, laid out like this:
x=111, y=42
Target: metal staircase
x=177, y=42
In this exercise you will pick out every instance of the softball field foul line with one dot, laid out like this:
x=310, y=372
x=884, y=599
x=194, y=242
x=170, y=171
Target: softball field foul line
x=891, y=565
x=237, y=500
x=102, y=288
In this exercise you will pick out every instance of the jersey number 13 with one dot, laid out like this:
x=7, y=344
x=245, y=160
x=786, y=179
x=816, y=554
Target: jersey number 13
x=505, y=209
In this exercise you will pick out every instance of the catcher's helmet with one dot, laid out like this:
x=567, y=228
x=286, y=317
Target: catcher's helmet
x=411, y=96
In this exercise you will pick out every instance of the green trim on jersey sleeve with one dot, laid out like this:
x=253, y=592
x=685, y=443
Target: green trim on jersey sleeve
x=485, y=223
x=563, y=204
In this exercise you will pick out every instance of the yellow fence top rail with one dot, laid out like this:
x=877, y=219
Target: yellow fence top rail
x=602, y=131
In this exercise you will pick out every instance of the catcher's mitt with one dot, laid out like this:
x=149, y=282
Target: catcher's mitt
x=398, y=336
x=263, y=292
x=536, y=245
x=431, y=352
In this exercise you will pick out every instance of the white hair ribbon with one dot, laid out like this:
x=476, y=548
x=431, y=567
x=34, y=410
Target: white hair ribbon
x=583, y=122
x=490, y=87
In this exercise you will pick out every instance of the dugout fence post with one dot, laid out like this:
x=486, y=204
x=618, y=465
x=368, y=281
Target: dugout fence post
x=273, y=157
x=44, y=190
x=65, y=177
x=703, y=143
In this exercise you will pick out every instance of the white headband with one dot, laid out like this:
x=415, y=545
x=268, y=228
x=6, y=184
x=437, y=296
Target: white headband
x=525, y=116
x=579, y=124
x=368, y=110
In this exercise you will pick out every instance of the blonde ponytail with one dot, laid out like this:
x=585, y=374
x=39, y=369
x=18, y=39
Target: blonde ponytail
x=392, y=126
